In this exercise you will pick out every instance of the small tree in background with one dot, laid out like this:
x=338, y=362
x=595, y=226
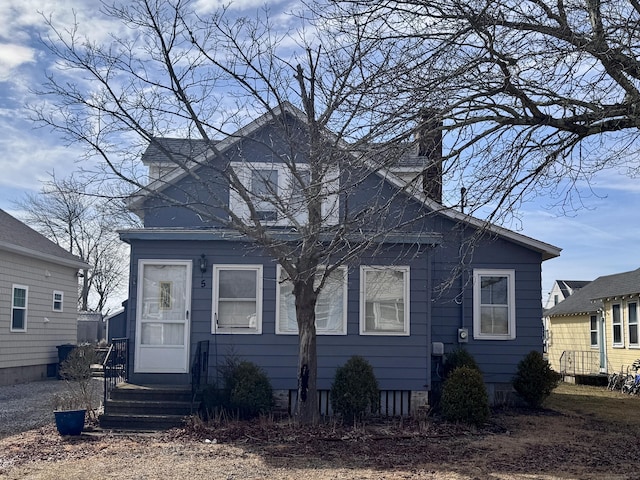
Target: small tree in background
x=75, y=370
x=535, y=380
x=354, y=391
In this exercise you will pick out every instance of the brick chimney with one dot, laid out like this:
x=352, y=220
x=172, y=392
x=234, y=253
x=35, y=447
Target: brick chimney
x=429, y=139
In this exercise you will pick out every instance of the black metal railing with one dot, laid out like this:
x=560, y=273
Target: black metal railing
x=199, y=369
x=115, y=365
x=580, y=362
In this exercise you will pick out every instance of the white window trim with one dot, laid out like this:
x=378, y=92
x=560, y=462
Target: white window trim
x=511, y=304
x=597, y=332
x=53, y=301
x=621, y=323
x=343, y=329
x=13, y=307
x=330, y=189
x=407, y=307
x=637, y=303
x=214, y=307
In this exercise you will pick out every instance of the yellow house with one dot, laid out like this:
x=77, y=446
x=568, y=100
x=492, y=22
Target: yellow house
x=595, y=330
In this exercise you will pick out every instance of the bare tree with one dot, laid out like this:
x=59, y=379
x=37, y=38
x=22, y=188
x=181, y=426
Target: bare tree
x=85, y=225
x=201, y=76
x=536, y=96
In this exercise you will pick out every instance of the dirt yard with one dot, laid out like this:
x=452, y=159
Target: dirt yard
x=583, y=433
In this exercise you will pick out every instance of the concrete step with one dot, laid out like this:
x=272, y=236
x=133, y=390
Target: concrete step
x=140, y=407
x=149, y=407
x=112, y=421
x=151, y=393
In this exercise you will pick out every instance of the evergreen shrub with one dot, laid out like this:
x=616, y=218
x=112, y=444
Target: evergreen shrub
x=458, y=358
x=354, y=391
x=464, y=397
x=535, y=380
x=246, y=392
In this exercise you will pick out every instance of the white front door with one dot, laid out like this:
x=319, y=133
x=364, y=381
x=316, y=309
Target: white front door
x=162, y=318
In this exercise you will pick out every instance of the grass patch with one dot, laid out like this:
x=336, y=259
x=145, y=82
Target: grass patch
x=597, y=403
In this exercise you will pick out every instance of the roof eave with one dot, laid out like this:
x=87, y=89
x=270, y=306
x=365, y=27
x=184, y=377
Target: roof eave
x=67, y=262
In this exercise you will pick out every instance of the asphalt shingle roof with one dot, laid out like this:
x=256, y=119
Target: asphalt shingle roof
x=15, y=233
x=588, y=299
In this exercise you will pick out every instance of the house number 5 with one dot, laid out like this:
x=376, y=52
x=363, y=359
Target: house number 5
x=203, y=283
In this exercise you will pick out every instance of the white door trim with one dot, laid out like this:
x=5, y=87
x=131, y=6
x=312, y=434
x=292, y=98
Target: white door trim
x=164, y=346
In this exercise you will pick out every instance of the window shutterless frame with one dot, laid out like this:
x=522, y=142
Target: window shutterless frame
x=632, y=324
x=384, y=300
x=331, y=306
x=237, y=299
x=58, y=301
x=494, y=312
x=19, y=304
x=617, y=333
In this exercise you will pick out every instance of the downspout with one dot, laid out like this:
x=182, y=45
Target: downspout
x=429, y=345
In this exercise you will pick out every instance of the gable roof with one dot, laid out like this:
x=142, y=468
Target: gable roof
x=16, y=237
x=590, y=298
x=567, y=287
x=135, y=201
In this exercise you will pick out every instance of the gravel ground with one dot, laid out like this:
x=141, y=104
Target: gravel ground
x=29, y=405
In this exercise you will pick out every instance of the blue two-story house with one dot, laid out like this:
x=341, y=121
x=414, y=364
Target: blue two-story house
x=430, y=278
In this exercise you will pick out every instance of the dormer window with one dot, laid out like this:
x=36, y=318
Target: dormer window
x=277, y=193
x=264, y=187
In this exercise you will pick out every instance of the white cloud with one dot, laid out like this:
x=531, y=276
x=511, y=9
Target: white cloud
x=12, y=56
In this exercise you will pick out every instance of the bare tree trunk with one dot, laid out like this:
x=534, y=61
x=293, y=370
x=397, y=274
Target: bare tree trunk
x=307, y=409
x=84, y=294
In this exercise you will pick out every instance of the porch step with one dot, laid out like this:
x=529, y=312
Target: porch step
x=139, y=407
x=112, y=421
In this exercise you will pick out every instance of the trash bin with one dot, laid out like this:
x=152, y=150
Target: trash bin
x=63, y=353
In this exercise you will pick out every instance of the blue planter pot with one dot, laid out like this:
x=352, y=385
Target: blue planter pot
x=70, y=422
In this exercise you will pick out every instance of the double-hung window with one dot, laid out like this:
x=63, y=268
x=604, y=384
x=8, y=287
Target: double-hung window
x=278, y=193
x=632, y=309
x=384, y=300
x=57, y=301
x=331, y=305
x=264, y=190
x=19, y=302
x=593, y=330
x=494, y=316
x=616, y=325
x=237, y=299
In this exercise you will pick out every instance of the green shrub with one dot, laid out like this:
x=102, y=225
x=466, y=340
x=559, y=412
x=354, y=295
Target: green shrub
x=534, y=380
x=464, y=397
x=250, y=392
x=246, y=392
x=354, y=391
x=458, y=358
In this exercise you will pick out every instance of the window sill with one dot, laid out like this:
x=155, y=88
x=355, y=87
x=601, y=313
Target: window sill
x=385, y=334
x=318, y=334
x=236, y=331
x=493, y=337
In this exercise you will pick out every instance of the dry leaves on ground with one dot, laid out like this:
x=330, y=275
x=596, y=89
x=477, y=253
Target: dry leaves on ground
x=516, y=444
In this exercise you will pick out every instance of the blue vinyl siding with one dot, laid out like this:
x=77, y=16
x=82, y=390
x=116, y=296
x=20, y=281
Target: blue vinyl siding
x=400, y=362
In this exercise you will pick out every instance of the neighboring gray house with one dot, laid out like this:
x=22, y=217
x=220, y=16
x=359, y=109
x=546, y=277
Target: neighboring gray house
x=387, y=306
x=562, y=289
x=38, y=301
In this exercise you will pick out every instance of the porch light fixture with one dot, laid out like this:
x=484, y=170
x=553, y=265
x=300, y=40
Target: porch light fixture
x=203, y=263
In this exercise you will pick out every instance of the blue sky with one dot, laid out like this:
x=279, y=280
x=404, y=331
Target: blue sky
x=600, y=238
